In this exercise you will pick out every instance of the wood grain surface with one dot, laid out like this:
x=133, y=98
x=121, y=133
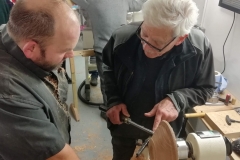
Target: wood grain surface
x=162, y=145
x=217, y=122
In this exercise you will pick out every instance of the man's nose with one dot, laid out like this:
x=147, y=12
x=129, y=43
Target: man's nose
x=146, y=46
x=69, y=54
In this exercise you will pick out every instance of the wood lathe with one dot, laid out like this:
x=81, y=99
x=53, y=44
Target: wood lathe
x=163, y=145
x=202, y=145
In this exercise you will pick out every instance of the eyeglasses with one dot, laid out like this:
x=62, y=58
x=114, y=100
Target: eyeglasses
x=158, y=49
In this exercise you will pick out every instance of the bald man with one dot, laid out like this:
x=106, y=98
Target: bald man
x=34, y=118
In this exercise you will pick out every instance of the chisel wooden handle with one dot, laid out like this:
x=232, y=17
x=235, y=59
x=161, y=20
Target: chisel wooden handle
x=194, y=115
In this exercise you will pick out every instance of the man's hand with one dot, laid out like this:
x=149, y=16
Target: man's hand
x=114, y=113
x=67, y=153
x=164, y=110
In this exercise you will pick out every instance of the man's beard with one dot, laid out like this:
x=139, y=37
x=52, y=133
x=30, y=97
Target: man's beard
x=46, y=65
x=49, y=67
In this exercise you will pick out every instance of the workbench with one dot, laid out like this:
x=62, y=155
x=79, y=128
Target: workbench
x=214, y=119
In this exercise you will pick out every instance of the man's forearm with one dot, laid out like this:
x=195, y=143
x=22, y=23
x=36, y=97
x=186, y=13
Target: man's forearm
x=66, y=153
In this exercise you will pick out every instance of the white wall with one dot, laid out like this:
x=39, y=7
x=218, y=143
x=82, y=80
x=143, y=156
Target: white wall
x=217, y=22
x=200, y=4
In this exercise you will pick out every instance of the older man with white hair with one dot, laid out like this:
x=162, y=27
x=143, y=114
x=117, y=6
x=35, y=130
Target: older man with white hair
x=155, y=71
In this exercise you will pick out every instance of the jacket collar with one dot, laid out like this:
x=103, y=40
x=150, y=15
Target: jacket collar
x=178, y=55
x=13, y=49
x=188, y=51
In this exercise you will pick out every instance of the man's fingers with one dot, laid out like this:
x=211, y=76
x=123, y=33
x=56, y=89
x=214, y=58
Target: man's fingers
x=117, y=118
x=115, y=112
x=156, y=122
x=125, y=112
x=114, y=116
x=151, y=113
x=167, y=118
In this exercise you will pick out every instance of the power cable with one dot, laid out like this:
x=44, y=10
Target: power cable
x=224, y=66
x=83, y=99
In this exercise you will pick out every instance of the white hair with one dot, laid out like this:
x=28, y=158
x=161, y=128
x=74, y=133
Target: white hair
x=179, y=15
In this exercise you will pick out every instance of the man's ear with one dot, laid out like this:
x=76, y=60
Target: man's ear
x=181, y=39
x=30, y=49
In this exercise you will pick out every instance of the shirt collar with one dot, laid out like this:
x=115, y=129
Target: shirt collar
x=13, y=49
